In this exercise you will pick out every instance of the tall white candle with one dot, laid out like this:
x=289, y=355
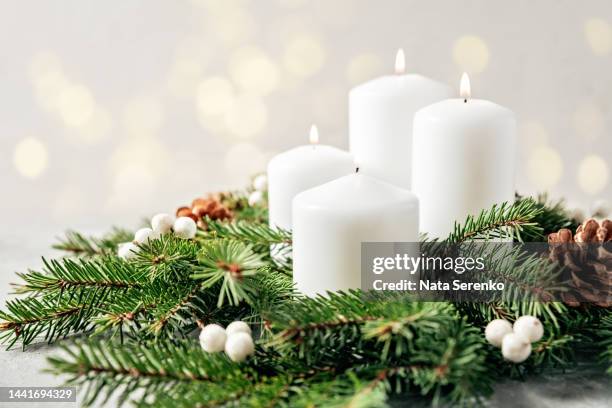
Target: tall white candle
x=331, y=221
x=463, y=159
x=380, y=121
x=299, y=169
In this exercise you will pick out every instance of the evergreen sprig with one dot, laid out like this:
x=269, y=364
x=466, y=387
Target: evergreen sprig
x=28, y=318
x=552, y=217
x=168, y=258
x=104, y=368
x=256, y=234
x=344, y=349
x=604, y=332
x=505, y=221
x=231, y=264
x=81, y=245
x=68, y=274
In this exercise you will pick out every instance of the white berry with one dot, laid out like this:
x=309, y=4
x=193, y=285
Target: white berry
x=255, y=198
x=529, y=327
x=237, y=327
x=496, y=330
x=144, y=234
x=212, y=338
x=516, y=348
x=185, y=227
x=260, y=182
x=239, y=346
x=162, y=223
x=127, y=250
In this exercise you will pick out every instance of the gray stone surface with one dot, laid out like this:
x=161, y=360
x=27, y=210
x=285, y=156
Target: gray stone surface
x=18, y=252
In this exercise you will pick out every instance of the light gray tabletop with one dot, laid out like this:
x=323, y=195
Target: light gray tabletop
x=18, y=252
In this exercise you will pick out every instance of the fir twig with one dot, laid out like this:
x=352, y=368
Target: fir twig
x=256, y=234
x=507, y=220
x=26, y=319
x=80, y=245
x=104, y=369
x=230, y=264
x=68, y=274
x=552, y=217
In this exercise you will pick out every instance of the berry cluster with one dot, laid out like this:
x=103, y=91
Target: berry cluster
x=515, y=340
x=235, y=340
x=183, y=227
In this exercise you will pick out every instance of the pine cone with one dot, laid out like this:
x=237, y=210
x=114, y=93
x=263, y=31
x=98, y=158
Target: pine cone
x=202, y=207
x=587, y=256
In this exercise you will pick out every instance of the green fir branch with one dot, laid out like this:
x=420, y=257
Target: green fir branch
x=604, y=332
x=231, y=264
x=53, y=318
x=67, y=274
x=81, y=245
x=507, y=220
x=256, y=234
x=552, y=217
x=103, y=369
x=168, y=258
x=412, y=344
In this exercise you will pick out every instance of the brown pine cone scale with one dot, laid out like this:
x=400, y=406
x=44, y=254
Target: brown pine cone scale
x=587, y=258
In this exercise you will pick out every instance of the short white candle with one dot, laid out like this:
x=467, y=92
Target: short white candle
x=331, y=221
x=463, y=159
x=299, y=169
x=380, y=121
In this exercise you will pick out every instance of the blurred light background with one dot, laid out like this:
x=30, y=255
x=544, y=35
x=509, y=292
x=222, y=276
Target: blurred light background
x=113, y=110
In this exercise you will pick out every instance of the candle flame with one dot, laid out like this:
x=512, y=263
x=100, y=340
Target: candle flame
x=464, y=89
x=314, y=135
x=400, y=62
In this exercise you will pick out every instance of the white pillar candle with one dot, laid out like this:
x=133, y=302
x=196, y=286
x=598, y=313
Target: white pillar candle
x=380, y=121
x=299, y=169
x=331, y=221
x=463, y=159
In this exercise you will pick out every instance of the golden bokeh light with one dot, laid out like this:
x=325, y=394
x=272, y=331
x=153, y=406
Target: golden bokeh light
x=291, y=3
x=131, y=186
x=215, y=96
x=151, y=155
x=598, y=35
x=30, y=157
x=328, y=103
x=593, y=174
x=229, y=21
x=243, y=160
x=588, y=121
x=471, y=53
x=143, y=116
x=70, y=102
x=43, y=64
x=97, y=128
x=363, y=67
x=252, y=70
x=304, y=55
x=544, y=167
x=184, y=77
x=533, y=134
x=213, y=123
x=48, y=88
x=247, y=117
x=76, y=105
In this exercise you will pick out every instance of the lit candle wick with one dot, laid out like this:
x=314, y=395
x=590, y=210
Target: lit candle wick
x=464, y=88
x=400, y=62
x=314, y=135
